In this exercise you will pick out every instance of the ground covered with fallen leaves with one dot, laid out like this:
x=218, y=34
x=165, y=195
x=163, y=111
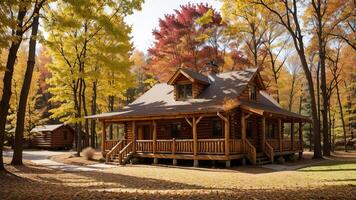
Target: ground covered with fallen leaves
x=328, y=180
x=71, y=159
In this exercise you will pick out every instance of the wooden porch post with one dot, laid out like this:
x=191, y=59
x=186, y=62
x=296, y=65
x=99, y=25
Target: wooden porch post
x=263, y=132
x=103, y=139
x=134, y=136
x=195, y=141
x=243, y=131
x=154, y=136
x=227, y=137
x=279, y=128
x=300, y=140
x=226, y=133
x=292, y=135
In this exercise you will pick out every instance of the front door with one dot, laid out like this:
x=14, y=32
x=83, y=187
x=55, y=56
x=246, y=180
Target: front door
x=144, y=132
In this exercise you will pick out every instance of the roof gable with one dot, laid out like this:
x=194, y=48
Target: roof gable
x=190, y=75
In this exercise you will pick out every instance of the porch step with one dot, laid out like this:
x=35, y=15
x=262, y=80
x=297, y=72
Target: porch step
x=125, y=159
x=262, y=159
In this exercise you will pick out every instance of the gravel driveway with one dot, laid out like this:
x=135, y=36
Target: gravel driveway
x=41, y=157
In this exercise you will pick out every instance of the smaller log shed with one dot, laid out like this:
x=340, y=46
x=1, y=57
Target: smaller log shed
x=58, y=136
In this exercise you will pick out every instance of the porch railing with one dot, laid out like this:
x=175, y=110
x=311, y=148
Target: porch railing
x=215, y=146
x=144, y=145
x=250, y=151
x=236, y=147
x=164, y=146
x=204, y=146
x=109, y=144
x=115, y=150
x=184, y=146
x=286, y=145
x=274, y=144
x=268, y=150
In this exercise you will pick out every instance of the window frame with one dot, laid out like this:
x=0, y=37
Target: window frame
x=184, y=88
x=217, y=132
x=176, y=129
x=252, y=90
x=271, y=130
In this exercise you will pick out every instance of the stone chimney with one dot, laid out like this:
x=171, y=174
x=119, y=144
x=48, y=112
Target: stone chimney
x=210, y=68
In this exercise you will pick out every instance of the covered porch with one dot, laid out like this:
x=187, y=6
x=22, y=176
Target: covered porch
x=244, y=134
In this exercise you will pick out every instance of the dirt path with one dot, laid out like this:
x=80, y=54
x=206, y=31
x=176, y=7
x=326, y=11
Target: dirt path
x=41, y=157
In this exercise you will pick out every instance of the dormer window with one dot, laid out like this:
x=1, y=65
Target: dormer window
x=252, y=93
x=185, y=91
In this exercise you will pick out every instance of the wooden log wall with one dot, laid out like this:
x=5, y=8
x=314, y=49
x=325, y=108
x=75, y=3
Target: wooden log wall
x=54, y=139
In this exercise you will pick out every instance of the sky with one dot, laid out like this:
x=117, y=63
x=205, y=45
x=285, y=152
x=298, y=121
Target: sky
x=145, y=20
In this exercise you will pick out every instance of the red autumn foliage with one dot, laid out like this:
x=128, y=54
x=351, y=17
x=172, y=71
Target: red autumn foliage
x=180, y=41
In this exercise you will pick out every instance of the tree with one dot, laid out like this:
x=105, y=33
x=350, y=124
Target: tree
x=189, y=38
x=33, y=115
x=248, y=23
x=287, y=14
x=21, y=111
x=85, y=41
x=276, y=44
x=17, y=32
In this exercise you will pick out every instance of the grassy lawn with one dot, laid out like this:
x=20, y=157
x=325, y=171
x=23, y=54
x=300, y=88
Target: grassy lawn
x=331, y=180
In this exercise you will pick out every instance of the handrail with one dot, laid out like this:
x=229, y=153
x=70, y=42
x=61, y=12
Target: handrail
x=108, y=155
x=268, y=150
x=129, y=145
x=251, y=151
x=126, y=147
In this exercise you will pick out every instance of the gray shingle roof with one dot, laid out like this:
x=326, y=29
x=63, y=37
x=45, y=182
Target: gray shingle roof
x=46, y=128
x=196, y=75
x=159, y=100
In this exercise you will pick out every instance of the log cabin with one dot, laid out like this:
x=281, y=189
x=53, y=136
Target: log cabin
x=212, y=116
x=58, y=136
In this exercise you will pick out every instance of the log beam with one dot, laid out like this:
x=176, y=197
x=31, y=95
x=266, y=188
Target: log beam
x=292, y=135
x=188, y=121
x=154, y=136
x=134, y=136
x=103, y=139
x=263, y=132
x=279, y=129
x=301, y=135
x=195, y=137
x=243, y=130
x=226, y=132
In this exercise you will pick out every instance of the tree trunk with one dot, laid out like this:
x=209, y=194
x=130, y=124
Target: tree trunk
x=93, y=112
x=341, y=114
x=21, y=111
x=316, y=122
x=111, y=109
x=326, y=141
x=79, y=115
x=86, y=123
x=7, y=80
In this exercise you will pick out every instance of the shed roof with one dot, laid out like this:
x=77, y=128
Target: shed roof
x=43, y=128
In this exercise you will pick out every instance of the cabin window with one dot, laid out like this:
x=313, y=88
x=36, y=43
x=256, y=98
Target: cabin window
x=175, y=130
x=184, y=91
x=252, y=92
x=249, y=129
x=65, y=135
x=217, y=128
x=271, y=130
